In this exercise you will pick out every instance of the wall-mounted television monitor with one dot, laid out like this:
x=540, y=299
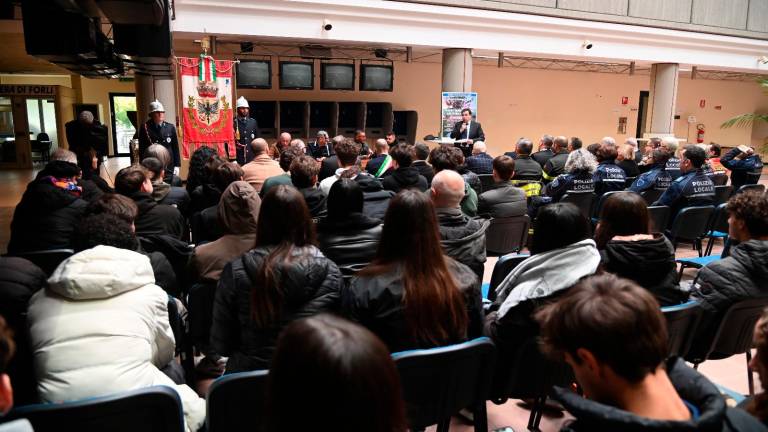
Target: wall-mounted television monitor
x=254, y=74
x=297, y=75
x=375, y=77
x=337, y=76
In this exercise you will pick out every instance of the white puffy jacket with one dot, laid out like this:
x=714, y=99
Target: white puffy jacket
x=102, y=327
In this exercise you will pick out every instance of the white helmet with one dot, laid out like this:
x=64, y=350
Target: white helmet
x=156, y=106
x=242, y=103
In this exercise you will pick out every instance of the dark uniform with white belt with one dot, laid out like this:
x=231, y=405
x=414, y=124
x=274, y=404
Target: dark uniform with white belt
x=246, y=130
x=162, y=132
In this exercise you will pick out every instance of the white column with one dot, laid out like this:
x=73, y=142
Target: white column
x=457, y=70
x=663, y=95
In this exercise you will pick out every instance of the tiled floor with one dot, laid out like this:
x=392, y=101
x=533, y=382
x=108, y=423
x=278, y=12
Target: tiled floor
x=730, y=372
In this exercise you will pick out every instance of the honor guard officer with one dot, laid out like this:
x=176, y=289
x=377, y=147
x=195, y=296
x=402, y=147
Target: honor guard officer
x=157, y=131
x=246, y=130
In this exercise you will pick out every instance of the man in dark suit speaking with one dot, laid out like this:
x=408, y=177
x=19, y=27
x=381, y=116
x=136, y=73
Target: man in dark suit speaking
x=468, y=130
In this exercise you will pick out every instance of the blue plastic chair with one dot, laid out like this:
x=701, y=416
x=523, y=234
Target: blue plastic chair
x=237, y=400
x=718, y=228
x=501, y=269
x=439, y=382
x=682, y=322
x=697, y=262
x=156, y=409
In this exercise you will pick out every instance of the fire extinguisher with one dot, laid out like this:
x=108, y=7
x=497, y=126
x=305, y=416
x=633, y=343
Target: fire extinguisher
x=700, y=133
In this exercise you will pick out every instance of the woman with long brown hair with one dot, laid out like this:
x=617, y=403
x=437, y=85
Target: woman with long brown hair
x=411, y=295
x=285, y=277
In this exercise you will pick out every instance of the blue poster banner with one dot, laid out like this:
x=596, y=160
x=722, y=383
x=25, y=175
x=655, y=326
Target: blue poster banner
x=452, y=103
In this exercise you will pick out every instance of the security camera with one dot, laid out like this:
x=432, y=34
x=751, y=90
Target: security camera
x=327, y=26
x=763, y=59
x=587, y=44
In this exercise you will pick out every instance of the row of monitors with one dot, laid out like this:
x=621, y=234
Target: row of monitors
x=299, y=75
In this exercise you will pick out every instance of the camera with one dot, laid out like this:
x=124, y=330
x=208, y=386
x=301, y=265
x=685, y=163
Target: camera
x=327, y=26
x=587, y=44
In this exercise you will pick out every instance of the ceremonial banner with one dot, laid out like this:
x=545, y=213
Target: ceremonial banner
x=452, y=104
x=206, y=98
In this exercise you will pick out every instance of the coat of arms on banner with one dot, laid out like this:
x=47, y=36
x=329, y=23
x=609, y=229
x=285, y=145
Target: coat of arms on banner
x=207, y=94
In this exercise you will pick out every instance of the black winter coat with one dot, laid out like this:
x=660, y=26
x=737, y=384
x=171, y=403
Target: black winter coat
x=19, y=280
x=350, y=243
x=376, y=302
x=157, y=219
x=424, y=169
x=316, y=201
x=463, y=239
x=375, y=197
x=45, y=218
x=404, y=178
x=719, y=285
x=691, y=386
x=310, y=284
x=650, y=263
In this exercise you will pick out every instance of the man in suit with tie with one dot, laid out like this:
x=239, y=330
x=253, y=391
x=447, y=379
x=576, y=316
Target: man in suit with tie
x=468, y=130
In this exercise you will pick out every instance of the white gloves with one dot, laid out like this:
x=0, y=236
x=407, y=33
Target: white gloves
x=175, y=171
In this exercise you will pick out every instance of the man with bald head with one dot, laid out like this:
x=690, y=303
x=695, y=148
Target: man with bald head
x=480, y=162
x=556, y=164
x=262, y=166
x=462, y=237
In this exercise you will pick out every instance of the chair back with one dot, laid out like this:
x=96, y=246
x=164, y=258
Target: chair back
x=43, y=137
x=751, y=187
x=719, y=221
x=651, y=195
x=439, y=382
x=528, y=374
x=155, y=409
x=659, y=216
x=582, y=200
x=691, y=223
x=682, y=322
x=734, y=335
x=200, y=306
x=719, y=179
x=507, y=234
x=236, y=400
x=47, y=260
x=628, y=181
x=722, y=193
x=504, y=265
x=598, y=206
x=486, y=181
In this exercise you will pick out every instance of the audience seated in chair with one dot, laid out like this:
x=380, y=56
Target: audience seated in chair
x=7, y=393
x=341, y=376
x=608, y=176
x=262, y=166
x=153, y=219
x=626, y=160
x=329, y=164
x=205, y=224
x=46, y=216
x=162, y=154
x=559, y=258
x=125, y=209
x=503, y=199
x=544, y=153
x=92, y=187
x=19, y=280
x=380, y=163
x=101, y=326
x=420, y=162
x=657, y=177
x=628, y=248
x=744, y=273
x=197, y=175
x=346, y=235
x=283, y=278
x=671, y=145
x=347, y=152
x=411, y=295
x=304, y=171
x=692, y=188
x=745, y=166
x=404, y=176
x=480, y=162
x=556, y=164
x=577, y=177
x=758, y=405
x=207, y=194
x=462, y=237
x=237, y=213
x=164, y=193
x=287, y=155
x=621, y=368
x=445, y=157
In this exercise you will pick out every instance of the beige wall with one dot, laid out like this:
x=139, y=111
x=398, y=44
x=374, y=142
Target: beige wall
x=97, y=91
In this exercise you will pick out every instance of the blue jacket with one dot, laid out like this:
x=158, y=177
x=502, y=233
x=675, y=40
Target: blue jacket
x=657, y=178
x=480, y=163
x=608, y=177
x=673, y=168
x=579, y=181
x=742, y=168
x=691, y=189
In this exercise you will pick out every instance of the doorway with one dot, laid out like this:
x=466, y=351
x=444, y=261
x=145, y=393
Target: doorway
x=122, y=106
x=41, y=125
x=642, y=113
